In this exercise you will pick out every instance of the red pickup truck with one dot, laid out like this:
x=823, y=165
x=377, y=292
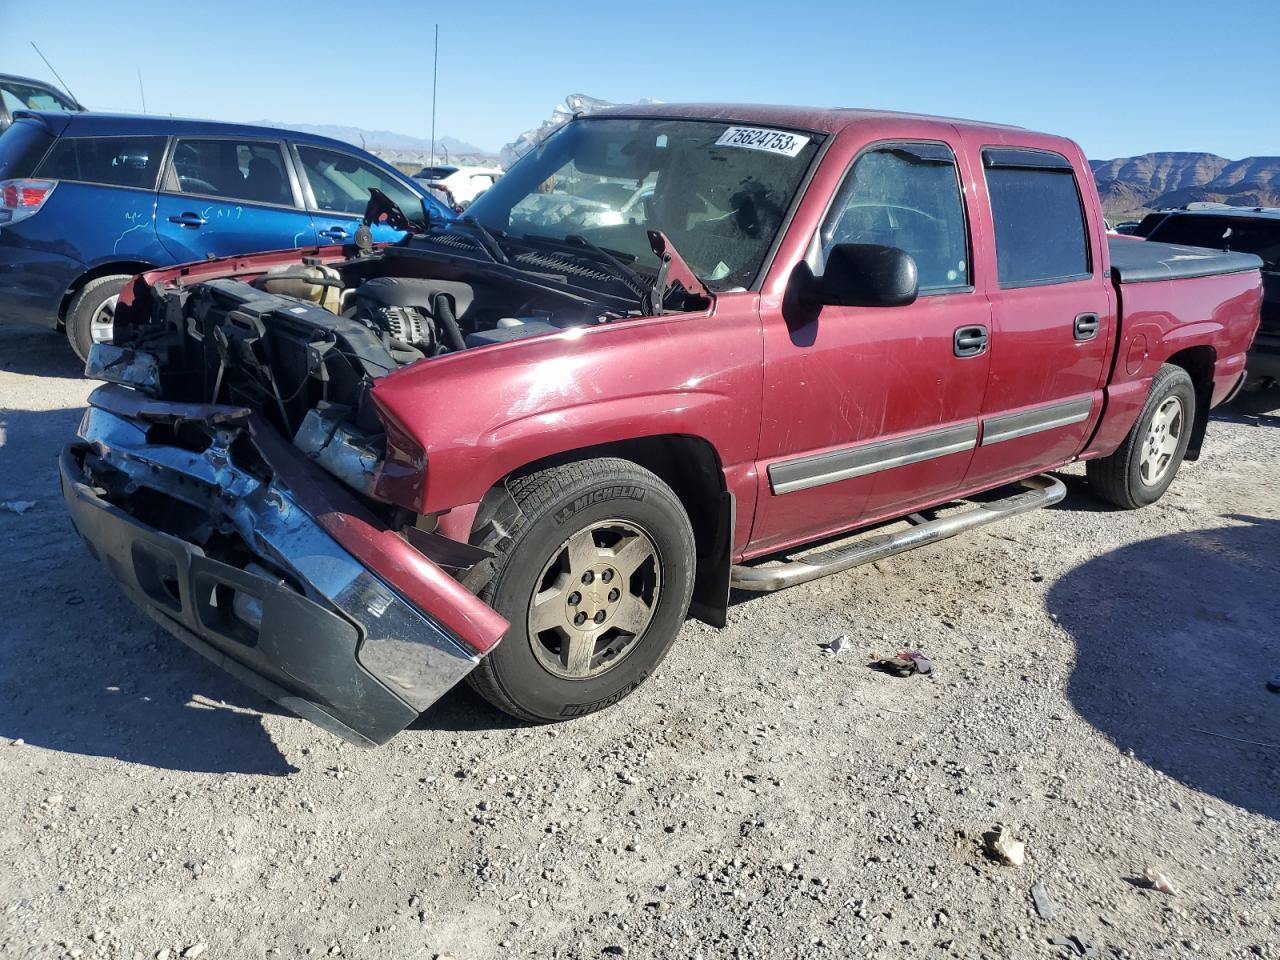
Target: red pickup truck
x=674, y=351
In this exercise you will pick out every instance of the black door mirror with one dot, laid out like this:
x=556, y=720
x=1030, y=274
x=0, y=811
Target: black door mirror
x=866, y=275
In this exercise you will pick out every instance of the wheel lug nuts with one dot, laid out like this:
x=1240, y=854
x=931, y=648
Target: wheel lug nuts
x=607, y=576
x=599, y=617
x=579, y=618
x=614, y=594
x=575, y=598
x=588, y=577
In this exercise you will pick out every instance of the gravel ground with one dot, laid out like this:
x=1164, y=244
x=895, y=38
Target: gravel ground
x=1099, y=691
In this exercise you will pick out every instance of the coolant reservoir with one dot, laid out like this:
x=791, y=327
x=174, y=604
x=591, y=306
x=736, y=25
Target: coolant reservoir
x=300, y=281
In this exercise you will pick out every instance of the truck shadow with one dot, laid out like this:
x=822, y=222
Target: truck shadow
x=1176, y=638
x=1261, y=408
x=83, y=671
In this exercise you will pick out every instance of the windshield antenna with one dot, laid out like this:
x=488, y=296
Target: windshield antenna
x=53, y=71
x=142, y=92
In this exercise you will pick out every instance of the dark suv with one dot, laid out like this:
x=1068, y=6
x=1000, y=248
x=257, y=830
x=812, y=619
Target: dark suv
x=87, y=200
x=1253, y=230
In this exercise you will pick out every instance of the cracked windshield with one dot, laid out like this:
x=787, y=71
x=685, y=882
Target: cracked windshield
x=719, y=192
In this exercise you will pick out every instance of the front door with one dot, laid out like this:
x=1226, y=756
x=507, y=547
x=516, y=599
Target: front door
x=869, y=410
x=223, y=196
x=338, y=184
x=1052, y=318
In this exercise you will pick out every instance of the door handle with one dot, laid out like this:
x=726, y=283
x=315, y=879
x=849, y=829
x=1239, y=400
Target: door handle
x=970, y=341
x=189, y=219
x=1086, y=326
x=335, y=233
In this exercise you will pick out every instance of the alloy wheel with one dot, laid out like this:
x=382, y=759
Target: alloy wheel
x=594, y=599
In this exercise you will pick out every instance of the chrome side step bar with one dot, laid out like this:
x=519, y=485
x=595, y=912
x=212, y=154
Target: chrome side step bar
x=1042, y=491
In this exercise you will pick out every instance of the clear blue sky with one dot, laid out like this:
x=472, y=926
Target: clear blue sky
x=1119, y=77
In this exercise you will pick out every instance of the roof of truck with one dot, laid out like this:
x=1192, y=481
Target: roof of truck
x=816, y=119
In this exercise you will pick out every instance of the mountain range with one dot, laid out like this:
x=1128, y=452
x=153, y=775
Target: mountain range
x=383, y=141
x=1132, y=186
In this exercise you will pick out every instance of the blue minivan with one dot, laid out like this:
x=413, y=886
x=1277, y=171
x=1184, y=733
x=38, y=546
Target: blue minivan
x=87, y=200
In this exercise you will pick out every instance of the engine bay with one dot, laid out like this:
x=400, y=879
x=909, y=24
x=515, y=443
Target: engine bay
x=318, y=335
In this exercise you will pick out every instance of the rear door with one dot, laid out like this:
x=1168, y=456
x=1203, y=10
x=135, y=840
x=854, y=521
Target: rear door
x=868, y=410
x=336, y=185
x=223, y=196
x=1052, y=317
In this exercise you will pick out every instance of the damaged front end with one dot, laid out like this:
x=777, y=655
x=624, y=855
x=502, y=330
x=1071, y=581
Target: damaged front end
x=233, y=540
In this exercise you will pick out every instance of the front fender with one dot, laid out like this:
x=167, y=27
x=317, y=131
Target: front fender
x=482, y=414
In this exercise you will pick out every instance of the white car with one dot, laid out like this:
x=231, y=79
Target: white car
x=458, y=186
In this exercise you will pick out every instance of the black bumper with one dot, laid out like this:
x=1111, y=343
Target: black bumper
x=303, y=649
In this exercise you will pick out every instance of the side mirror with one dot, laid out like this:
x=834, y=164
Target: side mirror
x=866, y=275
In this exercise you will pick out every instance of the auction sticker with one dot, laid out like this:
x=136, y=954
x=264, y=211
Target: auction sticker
x=757, y=138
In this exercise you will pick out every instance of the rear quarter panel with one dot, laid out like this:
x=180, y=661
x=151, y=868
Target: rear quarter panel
x=81, y=226
x=1164, y=317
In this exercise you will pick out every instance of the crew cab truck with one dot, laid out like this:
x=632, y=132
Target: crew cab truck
x=523, y=450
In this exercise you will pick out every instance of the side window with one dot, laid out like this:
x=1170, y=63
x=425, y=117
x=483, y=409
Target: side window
x=1039, y=220
x=341, y=182
x=906, y=195
x=114, y=161
x=248, y=170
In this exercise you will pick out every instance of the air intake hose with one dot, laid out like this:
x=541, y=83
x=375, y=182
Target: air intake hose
x=442, y=310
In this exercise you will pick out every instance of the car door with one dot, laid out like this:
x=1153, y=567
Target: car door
x=868, y=410
x=336, y=186
x=1052, y=316
x=223, y=196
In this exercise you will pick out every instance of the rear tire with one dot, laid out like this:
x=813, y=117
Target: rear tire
x=91, y=312
x=1140, y=471
x=595, y=579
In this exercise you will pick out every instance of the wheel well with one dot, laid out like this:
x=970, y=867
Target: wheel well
x=1199, y=363
x=126, y=268
x=691, y=467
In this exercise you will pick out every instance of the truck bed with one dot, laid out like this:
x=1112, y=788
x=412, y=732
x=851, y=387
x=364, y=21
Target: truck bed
x=1144, y=261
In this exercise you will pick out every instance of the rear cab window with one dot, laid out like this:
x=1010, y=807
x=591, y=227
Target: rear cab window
x=109, y=161
x=1038, y=215
x=906, y=195
x=250, y=171
x=22, y=147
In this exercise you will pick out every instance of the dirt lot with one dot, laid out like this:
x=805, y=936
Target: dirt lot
x=1099, y=690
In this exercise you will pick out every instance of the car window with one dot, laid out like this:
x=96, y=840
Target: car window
x=906, y=195
x=21, y=147
x=20, y=96
x=1039, y=220
x=1260, y=235
x=341, y=183
x=114, y=161
x=247, y=170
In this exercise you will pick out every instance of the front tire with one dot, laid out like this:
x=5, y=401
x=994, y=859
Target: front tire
x=595, y=580
x=1140, y=471
x=91, y=313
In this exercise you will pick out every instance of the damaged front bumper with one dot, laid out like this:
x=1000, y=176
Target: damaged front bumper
x=237, y=545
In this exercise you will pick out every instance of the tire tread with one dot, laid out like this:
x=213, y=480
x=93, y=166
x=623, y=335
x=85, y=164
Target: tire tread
x=534, y=493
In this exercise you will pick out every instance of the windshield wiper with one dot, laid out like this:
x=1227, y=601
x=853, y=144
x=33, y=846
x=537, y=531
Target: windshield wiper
x=621, y=272
x=488, y=242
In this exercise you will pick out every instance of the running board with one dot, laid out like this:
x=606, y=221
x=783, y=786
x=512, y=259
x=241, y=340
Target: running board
x=1042, y=491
